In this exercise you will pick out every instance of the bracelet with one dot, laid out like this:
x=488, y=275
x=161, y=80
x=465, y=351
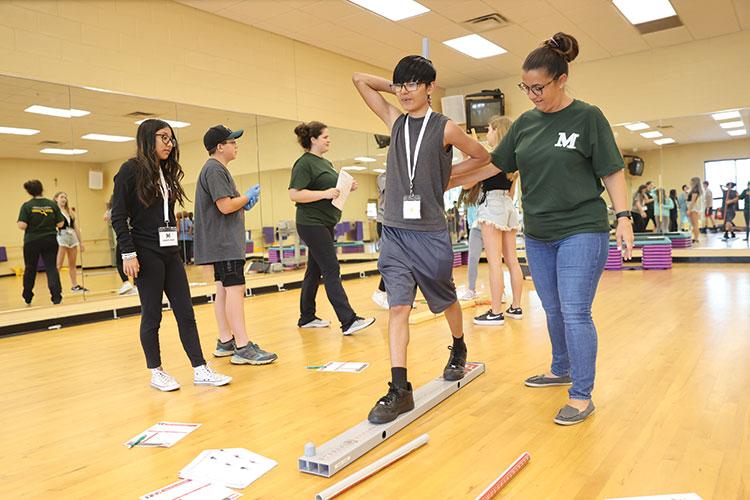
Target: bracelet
x=129, y=255
x=624, y=213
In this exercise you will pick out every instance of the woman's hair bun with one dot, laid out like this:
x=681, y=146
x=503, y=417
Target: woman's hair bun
x=565, y=45
x=302, y=130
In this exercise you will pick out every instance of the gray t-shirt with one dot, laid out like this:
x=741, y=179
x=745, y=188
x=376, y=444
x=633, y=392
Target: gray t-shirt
x=431, y=176
x=218, y=237
x=380, y=182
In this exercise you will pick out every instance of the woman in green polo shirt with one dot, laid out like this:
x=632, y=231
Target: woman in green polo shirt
x=563, y=150
x=313, y=187
x=40, y=218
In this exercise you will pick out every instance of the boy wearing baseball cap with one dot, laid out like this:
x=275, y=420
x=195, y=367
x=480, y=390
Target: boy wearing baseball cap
x=220, y=241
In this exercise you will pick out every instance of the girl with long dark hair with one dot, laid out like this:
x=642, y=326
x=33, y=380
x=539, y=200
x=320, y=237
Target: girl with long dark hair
x=146, y=190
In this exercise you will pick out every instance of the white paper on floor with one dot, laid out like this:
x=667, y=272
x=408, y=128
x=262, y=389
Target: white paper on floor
x=187, y=489
x=232, y=467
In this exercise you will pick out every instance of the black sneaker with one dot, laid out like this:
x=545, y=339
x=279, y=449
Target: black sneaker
x=393, y=404
x=489, y=319
x=734, y=235
x=78, y=289
x=456, y=367
x=514, y=312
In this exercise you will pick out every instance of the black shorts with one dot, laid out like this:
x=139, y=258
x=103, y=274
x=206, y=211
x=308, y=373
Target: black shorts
x=709, y=211
x=230, y=272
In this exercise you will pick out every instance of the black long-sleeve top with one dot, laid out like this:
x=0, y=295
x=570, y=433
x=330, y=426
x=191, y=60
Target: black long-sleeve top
x=135, y=225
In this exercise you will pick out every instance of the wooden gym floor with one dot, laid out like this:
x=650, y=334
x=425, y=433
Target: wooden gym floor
x=672, y=396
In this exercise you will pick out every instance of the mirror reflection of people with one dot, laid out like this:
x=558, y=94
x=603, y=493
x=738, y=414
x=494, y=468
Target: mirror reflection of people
x=379, y=296
x=708, y=205
x=68, y=239
x=185, y=235
x=312, y=187
x=146, y=190
x=745, y=197
x=695, y=206
x=684, y=223
x=40, y=218
x=730, y=199
x=126, y=287
x=673, y=211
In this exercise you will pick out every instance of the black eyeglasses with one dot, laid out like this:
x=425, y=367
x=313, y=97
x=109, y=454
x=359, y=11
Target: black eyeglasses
x=536, y=90
x=233, y=143
x=167, y=140
x=409, y=86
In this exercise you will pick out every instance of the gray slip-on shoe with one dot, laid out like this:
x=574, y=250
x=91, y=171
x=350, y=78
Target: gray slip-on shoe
x=570, y=416
x=542, y=381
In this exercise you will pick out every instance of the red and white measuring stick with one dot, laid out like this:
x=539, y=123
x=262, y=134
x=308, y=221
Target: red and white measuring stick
x=505, y=477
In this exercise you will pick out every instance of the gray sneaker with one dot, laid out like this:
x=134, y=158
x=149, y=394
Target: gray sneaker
x=542, y=381
x=359, y=324
x=251, y=354
x=570, y=416
x=224, y=349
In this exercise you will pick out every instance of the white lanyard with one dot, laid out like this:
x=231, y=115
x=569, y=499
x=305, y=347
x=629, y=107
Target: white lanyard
x=165, y=195
x=412, y=169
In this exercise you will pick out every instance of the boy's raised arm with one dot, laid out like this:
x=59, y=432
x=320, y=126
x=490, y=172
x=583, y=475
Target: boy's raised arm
x=370, y=87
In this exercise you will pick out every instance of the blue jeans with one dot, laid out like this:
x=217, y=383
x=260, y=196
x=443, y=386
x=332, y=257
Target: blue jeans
x=566, y=273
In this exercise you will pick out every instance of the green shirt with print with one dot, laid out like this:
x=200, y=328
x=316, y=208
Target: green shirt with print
x=316, y=174
x=41, y=216
x=561, y=158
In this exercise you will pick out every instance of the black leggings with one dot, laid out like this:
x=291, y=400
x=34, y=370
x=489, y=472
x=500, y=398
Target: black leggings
x=160, y=272
x=47, y=248
x=321, y=259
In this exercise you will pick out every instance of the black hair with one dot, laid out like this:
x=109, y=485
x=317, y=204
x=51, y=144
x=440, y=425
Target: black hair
x=307, y=131
x=673, y=194
x=33, y=187
x=147, y=164
x=414, y=69
x=553, y=56
x=684, y=186
x=641, y=187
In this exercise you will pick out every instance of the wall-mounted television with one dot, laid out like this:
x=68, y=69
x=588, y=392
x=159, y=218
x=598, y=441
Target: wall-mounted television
x=482, y=106
x=635, y=165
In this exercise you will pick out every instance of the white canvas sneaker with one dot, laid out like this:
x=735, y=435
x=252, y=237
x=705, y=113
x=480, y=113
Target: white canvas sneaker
x=204, y=375
x=381, y=299
x=125, y=288
x=160, y=380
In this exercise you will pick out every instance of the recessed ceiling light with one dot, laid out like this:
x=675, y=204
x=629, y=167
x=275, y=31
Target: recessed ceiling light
x=107, y=138
x=364, y=159
x=395, y=10
x=725, y=115
x=666, y=140
x=643, y=11
x=475, y=46
x=636, y=126
x=735, y=124
x=54, y=151
x=18, y=131
x=353, y=168
x=651, y=135
x=62, y=113
x=378, y=170
x=741, y=131
x=173, y=123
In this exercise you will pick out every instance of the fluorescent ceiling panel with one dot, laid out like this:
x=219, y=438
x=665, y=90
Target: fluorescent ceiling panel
x=55, y=151
x=737, y=132
x=666, y=140
x=725, y=115
x=652, y=135
x=475, y=46
x=173, y=123
x=378, y=170
x=395, y=10
x=353, y=168
x=636, y=126
x=107, y=138
x=62, y=113
x=18, y=131
x=643, y=11
x=735, y=124
x=364, y=159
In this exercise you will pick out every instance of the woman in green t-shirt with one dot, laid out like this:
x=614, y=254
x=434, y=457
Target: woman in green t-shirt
x=563, y=150
x=40, y=218
x=313, y=187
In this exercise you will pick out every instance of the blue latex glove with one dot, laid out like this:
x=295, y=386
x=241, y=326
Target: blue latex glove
x=253, y=192
x=250, y=204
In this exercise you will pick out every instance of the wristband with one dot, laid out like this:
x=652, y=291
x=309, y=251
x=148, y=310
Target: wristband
x=624, y=213
x=129, y=255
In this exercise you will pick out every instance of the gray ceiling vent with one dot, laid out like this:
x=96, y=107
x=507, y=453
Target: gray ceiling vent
x=486, y=23
x=140, y=114
x=665, y=126
x=50, y=143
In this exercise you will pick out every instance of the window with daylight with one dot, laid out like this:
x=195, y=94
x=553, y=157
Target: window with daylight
x=719, y=172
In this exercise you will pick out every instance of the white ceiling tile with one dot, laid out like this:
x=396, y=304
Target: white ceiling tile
x=384, y=30
x=435, y=26
x=546, y=26
x=514, y=39
x=332, y=10
x=290, y=22
x=604, y=23
x=459, y=11
x=742, y=8
x=519, y=11
x=213, y=6
x=705, y=19
x=255, y=11
x=665, y=38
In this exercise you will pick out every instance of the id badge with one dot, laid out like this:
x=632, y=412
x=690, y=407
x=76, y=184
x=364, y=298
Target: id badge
x=412, y=206
x=167, y=236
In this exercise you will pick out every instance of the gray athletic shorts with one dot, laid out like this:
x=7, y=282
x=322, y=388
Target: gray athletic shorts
x=417, y=258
